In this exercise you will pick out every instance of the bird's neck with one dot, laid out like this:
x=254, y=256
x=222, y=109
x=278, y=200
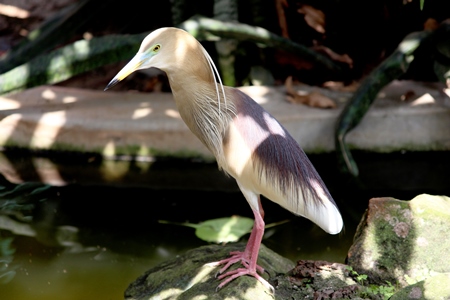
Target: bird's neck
x=206, y=112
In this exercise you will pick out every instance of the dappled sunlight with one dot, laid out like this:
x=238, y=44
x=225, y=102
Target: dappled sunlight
x=69, y=99
x=47, y=129
x=141, y=113
x=172, y=113
x=227, y=227
x=109, y=149
x=51, y=96
x=224, y=230
x=8, y=103
x=143, y=151
x=423, y=100
x=9, y=170
x=8, y=126
x=202, y=273
x=48, y=94
x=261, y=94
x=114, y=170
x=13, y=11
x=446, y=93
x=47, y=171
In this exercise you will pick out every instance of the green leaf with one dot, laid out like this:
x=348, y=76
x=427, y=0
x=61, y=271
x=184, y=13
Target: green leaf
x=224, y=230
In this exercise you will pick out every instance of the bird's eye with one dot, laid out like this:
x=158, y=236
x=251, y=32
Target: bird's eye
x=156, y=48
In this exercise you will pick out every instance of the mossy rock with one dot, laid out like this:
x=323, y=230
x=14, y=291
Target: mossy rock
x=190, y=277
x=433, y=288
x=402, y=242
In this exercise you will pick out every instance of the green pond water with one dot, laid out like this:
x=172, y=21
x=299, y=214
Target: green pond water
x=91, y=238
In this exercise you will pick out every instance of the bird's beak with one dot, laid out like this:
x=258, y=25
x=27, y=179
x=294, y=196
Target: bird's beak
x=134, y=64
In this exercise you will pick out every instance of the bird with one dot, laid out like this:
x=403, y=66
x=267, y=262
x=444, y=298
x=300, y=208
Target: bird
x=249, y=144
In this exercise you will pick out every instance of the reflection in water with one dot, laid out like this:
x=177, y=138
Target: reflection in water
x=7, y=269
x=89, y=241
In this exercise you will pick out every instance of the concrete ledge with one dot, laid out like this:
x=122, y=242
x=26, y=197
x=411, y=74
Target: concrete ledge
x=133, y=123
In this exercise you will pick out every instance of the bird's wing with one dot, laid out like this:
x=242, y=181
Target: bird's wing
x=266, y=159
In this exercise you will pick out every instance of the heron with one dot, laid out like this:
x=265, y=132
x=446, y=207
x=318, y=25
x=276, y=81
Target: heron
x=249, y=144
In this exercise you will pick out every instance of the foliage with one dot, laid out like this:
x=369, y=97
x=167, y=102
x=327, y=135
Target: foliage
x=223, y=230
x=372, y=291
x=7, y=271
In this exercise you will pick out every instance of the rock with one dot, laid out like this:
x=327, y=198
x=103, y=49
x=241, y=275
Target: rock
x=189, y=277
x=402, y=242
x=317, y=280
x=433, y=288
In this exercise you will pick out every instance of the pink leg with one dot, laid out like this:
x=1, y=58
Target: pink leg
x=248, y=258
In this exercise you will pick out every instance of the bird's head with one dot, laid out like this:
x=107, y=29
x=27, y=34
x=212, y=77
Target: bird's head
x=165, y=49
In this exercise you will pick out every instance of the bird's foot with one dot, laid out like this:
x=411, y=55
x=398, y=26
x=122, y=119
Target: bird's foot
x=236, y=256
x=231, y=275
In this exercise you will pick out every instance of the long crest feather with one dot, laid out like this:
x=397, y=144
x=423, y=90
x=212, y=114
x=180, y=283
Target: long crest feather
x=216, y=77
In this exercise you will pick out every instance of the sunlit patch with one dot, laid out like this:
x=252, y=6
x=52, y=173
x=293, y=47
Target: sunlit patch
x=114, y=170
x=69, y=99
x=109, y=149
x=47, y=129
x=6, y=103
x=9, y=124
x=143, y=151
x=447, y=91
x=47, y=171
x=9, y=171
x=13, y=11
x=48, y=94
x=274, y=126
x=172, y=113
x=202, y=274
x=423, y=100
x=260, y=94
x=141, y=113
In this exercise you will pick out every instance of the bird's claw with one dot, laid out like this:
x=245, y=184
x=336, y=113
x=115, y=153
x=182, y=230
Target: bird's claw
x=231, y=275
x=245, y=270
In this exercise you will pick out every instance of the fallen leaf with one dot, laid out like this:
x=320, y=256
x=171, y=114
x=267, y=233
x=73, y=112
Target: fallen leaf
x=343, y=58
x=313, y=99
x=314, y=18
x=430, y=24
x=408, y=95
x=341, y=86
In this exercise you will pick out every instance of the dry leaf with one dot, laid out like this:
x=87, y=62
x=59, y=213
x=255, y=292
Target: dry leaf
x=408, y=95
x=314, y=17
x=431, y=24
x=313, y=99
x=343, y=58
x=341, y=86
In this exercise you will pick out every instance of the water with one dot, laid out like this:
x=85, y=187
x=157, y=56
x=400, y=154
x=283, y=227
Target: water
x=91, y=238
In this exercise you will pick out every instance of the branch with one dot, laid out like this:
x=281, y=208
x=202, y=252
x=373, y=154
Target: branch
x=393, y=67
x=208, y=29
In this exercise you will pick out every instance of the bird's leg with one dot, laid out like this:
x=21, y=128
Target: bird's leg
x=239, y=256
x=245, y=257
x=248, y=258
